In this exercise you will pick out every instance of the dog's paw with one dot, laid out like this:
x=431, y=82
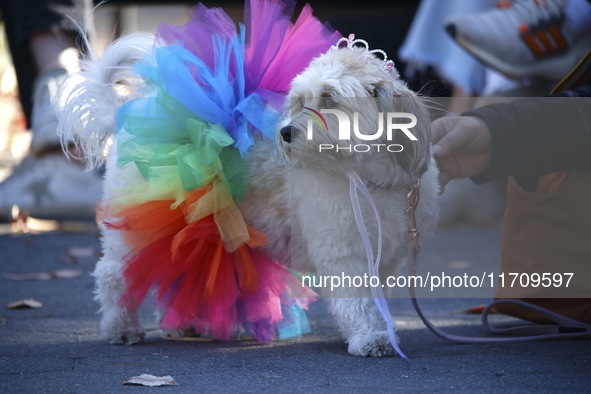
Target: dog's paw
x=128, y=337
x=371, y=346
x=121, y=329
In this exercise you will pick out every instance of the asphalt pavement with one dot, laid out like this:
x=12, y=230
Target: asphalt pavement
x=57, y=348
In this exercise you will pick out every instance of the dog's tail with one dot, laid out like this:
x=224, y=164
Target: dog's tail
x=92, y=96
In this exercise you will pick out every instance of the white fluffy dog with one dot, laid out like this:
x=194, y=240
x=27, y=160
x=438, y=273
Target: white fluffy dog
x=300, y=197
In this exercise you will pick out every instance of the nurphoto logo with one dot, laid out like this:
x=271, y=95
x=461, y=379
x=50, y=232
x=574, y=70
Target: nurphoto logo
x=345, y=130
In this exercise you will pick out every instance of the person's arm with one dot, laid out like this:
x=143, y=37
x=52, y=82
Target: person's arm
x=528, y=137
x=536, y=136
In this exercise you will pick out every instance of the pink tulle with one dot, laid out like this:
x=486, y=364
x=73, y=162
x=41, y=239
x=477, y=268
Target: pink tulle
x=277, y=52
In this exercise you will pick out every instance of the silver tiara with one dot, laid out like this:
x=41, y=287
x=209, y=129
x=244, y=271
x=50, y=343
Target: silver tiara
x=352, y=42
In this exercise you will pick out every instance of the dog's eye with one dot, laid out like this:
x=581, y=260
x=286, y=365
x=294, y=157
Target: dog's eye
x=329, y=102
x=296, y=104
x=327, y=95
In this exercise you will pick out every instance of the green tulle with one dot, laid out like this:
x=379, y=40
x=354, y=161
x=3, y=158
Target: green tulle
x=167, y=142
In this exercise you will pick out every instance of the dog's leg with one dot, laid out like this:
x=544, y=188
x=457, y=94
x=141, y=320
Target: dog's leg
x=118, y=325
x=329, y=240
x=358, y=319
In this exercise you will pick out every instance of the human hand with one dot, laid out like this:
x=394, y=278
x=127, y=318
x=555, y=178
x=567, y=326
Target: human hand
x=462, y=147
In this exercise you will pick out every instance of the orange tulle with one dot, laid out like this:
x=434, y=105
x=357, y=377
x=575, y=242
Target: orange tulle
x=197, y=280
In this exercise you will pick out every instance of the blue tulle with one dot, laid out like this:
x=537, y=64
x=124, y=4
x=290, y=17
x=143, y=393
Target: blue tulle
x=295, y=324
x=216, y=96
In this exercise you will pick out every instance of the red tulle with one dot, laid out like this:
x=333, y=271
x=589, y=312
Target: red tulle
x=199, y=283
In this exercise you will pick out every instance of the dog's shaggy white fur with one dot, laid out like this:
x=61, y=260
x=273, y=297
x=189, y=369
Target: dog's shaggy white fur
x=299, y=197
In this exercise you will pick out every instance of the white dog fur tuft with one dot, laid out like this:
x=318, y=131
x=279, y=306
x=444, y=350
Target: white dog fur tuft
x=92, y=96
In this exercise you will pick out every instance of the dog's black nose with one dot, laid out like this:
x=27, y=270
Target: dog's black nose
x=286, y=133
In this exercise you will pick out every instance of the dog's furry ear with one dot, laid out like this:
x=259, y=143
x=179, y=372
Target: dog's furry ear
x=415, y=157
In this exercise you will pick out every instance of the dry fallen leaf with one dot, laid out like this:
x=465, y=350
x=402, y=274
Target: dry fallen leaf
x=34, y=276
x=459, y=265
x=77, y=251
x=151, y=380
x=66, y=274
x=59, y=274
x=26, y=303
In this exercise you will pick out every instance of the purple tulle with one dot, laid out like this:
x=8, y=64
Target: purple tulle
x=276, y=50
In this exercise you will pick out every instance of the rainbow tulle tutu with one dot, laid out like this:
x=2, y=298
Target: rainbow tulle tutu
x=209, y=90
